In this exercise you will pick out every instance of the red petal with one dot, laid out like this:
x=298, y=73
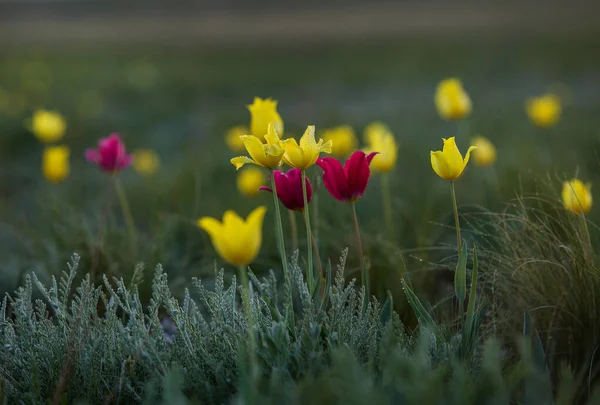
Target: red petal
x=358, y=173
x=334, y=178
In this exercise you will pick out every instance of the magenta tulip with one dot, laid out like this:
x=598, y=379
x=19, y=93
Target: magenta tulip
x=347, y=183
x=111, y=155
x=289, y=189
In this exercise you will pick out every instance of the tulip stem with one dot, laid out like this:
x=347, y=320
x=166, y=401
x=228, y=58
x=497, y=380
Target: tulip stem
x=386, y=197
x=126, y=213
x=318, y=257
x=359, y=242
x=246, y=300
x=293, y=230
x=309, y=272
x=456, y=220
x=281, y=246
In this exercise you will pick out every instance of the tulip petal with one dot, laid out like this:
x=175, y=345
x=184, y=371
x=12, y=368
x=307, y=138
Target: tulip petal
x=255, y=148
x=307, y=141
x=334, y=178
x=358, y=173
x=265, y=188
x=294, y=155
x=453, y=157
x=212, y=226
x=467, y=157
x=240, y=161
x=440, y=166
x=253, y=233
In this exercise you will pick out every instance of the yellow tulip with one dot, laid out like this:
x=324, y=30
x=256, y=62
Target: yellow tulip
x=451, y=100
x=146, y=161
x=55, y=163
x=576, y=196
x=485, y=154
x=544, y=111
x=48, y=126
x=380, y=139
x=449, y=163
x=343, y=140
x=233, y=138
x=249, y=180
x=306, y=153
x=262, y=113
x=267, y=155
x=235, y=240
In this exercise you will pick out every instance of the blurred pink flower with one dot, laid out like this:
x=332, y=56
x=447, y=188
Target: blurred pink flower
x=111, y=155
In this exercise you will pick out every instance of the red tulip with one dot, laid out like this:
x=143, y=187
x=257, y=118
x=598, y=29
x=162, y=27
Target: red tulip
x=347, y=183
x=111, y=155
x=289, y=189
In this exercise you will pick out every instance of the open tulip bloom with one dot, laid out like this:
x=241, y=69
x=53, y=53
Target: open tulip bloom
x=263, y=113
x=289, y=189
x=347, y=183
x=306, y=153
x=111, y=155
x=267, y=155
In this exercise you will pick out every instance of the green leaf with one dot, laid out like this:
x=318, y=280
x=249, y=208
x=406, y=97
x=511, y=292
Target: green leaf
x=472, y=296
x=460, y=276
x=388, y=307
x=538, y=385
x=423, y=316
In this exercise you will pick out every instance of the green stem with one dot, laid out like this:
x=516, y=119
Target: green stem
x=293, y=230
x=248, y=308
x=281, y=245
x=315, y=207
x=456, y=221
x=318, y=257
x=386, y=197
x=126, y=213
x=359, y=241
x=309, y=271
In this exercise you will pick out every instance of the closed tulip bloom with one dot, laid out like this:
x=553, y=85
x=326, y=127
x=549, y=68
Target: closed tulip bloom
x=289, y=189
x=380, y=139
x=577, y=197
x=305, y=154
x=347, y=183
x=343, y=140
x=451, y=100
x=235, y=240
x=449, y=163
x=485, y=154
x=111, y=155
x=544, y=111
x=233, y=138
x=250, y=180
x=48, y=126
x=263, y=113
x=146, y=161
x=55, y=163
x=267, y=154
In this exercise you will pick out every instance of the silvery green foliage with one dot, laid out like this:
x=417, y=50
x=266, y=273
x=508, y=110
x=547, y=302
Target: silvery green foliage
x=98, y=343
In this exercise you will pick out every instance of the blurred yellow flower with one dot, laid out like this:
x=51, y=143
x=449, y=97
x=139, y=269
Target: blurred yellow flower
x=485, y=154
x=380, y=139
x=267, y=155
x=544, y=111
x=249, y=180
x=262, y=113
x=451, y=100
x=343, y=140
x=576, y=196
x=233, y=138
x=55, y=163
x=146, y=161
x=306, y=153
x=449, y=163
x=48, y=126
x=235, y=240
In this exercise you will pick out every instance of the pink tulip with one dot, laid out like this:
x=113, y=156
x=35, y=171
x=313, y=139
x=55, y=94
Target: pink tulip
x=347, y=183
x=111, y=155
x=289, y=189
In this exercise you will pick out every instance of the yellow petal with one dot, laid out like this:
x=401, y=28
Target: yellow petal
x=467, y=156
x=294, y=156
x=210, y=225
x=452, y=156
x=440, y=166
x=240, y=161
x=308, y=139
x=326, y=147
x=255, y=148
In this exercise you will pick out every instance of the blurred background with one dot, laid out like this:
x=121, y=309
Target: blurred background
x=172, y=77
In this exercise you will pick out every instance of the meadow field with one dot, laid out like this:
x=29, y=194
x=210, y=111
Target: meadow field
x=115, y=292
